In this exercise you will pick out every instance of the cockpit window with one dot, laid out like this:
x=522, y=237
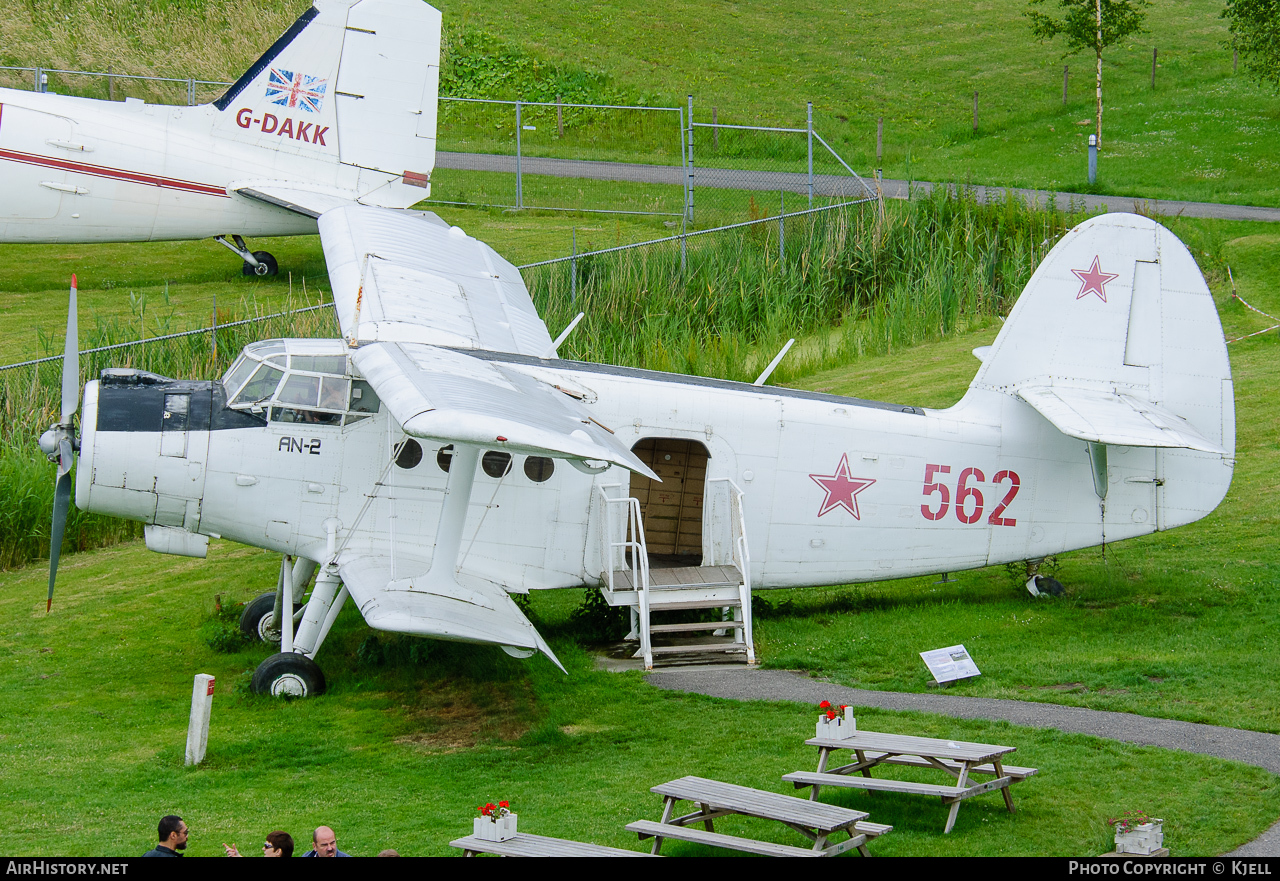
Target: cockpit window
x=334, y=364
x=238, y=373
x=261, y=386
x=302, y=389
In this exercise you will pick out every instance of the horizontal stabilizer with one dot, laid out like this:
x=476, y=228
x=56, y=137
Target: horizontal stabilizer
x=449, y=396
x=1109, y=418
x=480, y=612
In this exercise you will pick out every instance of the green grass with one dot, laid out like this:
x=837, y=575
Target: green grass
x=91, y=752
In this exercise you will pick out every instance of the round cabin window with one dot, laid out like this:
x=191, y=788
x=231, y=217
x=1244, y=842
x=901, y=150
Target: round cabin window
x=538, y=468
x=496, y=464
x=409, y=454
x=444, y=457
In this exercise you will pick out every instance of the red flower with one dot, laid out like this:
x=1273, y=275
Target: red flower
x=504, y=804
x=831, y=714
x=825, y=705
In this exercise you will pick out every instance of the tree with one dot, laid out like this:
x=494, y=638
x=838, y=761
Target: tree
x=1255, y=33
x=1091, y=24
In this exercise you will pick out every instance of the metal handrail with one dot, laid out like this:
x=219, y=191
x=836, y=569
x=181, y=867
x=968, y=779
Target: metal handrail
x=633, y=539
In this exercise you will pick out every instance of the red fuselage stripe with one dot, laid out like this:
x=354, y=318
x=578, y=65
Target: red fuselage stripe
x=133, y=177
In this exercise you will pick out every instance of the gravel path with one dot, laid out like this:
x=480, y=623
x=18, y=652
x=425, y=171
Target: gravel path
x=828, y=184
x=1251, y=747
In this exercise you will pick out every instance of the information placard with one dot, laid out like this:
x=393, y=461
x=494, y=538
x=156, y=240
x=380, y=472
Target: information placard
x=950, y=664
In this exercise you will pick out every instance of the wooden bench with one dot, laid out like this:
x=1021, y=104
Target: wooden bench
x=948, y=793
x=525, y=845
x=715, y=799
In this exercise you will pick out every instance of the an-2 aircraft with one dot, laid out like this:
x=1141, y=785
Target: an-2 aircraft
x=340, y=110
x=440, y=457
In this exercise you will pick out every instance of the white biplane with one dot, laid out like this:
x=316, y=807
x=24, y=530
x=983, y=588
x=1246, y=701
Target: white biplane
x=341, y=110
x=439, y=457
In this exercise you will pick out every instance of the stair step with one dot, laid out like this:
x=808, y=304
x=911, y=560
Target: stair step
x=664, y=605
x=698, y=647
x=696, y=626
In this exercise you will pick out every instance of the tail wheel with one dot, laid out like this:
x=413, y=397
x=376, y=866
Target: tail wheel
x=289, y=675
x=258, y=620
x=266, y=265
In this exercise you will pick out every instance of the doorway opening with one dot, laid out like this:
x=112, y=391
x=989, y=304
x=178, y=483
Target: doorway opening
x=672, y=510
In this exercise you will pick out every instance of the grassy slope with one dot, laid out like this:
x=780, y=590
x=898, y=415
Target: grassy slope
x=1202, y=134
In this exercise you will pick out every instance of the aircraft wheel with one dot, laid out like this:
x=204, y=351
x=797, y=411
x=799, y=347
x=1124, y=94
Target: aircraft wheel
x=266, y=265
x=288, y=675
x=258, y=620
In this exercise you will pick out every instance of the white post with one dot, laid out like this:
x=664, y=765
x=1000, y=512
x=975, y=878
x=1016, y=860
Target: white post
x=198, y=728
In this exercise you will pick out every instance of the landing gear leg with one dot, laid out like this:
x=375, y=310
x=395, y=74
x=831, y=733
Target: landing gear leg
x=259, y=263
x=292, y=672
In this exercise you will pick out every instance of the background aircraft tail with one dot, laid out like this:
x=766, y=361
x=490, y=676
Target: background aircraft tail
x=355, y=81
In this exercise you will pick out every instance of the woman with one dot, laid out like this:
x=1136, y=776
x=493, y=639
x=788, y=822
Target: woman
x=278, y=844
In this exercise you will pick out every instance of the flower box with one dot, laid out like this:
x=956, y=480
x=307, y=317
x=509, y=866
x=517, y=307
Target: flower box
x=1143, y=839
x=839, y=728
x=494, y=829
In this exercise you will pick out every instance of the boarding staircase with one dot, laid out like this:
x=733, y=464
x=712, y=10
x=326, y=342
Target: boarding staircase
x=722, y=582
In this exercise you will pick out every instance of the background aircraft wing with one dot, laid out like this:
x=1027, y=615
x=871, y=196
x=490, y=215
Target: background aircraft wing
x=477, y=611
x=408, y=277
x=447, y=395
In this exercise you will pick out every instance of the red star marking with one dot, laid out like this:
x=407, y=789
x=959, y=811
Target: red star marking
x=1094, y=280
x=841, y=489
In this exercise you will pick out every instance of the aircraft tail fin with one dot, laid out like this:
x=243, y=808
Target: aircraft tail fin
x=354, y=82
x=1116, y=340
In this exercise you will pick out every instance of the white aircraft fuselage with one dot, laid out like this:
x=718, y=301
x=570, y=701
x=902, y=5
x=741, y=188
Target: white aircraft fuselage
x=836, y=490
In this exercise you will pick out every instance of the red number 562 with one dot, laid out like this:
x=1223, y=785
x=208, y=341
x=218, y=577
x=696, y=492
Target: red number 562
x=968, y=497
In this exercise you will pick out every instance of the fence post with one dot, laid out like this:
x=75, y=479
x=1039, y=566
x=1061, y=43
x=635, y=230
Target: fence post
x=715, y=131
x=559, y=118
x=782, y=202
x=1065, y=69
x=573, y=269
x=688, y=209
x=519, y=179
x=1153, y=67
x=191, y=92
x=975, y=112
x=111, y=92
x=36, y=85
x=810, y=115
x=879, y=143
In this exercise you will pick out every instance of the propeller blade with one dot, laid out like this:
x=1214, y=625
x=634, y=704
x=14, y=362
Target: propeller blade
x=65, y=456
x=71, y=362
x=61, y=504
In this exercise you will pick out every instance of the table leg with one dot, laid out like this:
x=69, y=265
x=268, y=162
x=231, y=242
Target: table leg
x=709, y=824
x=961, y=782
x=1008, y=799
x=669, y=803
x=823, y=754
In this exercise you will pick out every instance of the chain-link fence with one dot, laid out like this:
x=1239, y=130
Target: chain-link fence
x=112, y=86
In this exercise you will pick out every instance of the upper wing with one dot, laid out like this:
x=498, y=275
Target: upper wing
x=404, y=277
x=1108, y=418
x=479, y=612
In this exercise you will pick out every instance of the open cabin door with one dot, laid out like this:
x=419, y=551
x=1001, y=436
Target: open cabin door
x=672, y=510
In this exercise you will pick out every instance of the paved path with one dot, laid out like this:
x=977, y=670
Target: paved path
x=828, y=185
x=1251, y=747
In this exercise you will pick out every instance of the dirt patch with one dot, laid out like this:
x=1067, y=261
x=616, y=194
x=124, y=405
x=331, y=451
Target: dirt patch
x=451, y=716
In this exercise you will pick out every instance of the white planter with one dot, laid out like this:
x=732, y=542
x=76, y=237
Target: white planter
x=491, y=829
x=839, y=728
x=1142, y=840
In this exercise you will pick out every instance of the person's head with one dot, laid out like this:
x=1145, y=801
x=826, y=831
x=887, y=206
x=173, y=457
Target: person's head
x=173, y=832
x=278, y=844
x=325, y=842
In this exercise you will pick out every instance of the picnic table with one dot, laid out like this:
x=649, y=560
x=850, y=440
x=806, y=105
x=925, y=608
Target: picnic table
x=715, y=799
x=959, y=759
x=526, y=845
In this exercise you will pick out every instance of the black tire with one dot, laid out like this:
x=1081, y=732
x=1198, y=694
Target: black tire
x=289, y=675
x=257, y=621
x=266, y=265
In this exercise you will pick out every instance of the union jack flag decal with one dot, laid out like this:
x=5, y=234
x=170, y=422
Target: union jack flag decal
x=289, y=89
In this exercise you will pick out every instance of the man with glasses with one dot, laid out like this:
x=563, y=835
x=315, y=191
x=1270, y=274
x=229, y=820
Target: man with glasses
x=173, y=838
x=278, y=844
